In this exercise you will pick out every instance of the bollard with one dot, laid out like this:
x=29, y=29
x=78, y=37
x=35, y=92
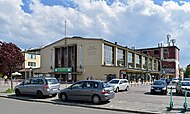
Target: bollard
x=171, y=101
x=185, y=103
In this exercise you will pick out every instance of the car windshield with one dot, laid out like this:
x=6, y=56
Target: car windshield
x=186, y=79
x=185, y=84
x=158, y=83
x=52, y=81
x=114, y=82
x=163, y=79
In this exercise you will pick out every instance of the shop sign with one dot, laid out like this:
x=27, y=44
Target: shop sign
x=63, y=69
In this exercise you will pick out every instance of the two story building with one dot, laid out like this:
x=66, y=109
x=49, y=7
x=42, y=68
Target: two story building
x=77, y=58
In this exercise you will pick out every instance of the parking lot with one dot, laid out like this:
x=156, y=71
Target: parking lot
x=137, y=98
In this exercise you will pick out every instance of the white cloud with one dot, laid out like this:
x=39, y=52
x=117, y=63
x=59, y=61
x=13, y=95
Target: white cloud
x=135, y=22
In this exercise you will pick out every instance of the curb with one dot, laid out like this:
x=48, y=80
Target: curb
x=81, y=105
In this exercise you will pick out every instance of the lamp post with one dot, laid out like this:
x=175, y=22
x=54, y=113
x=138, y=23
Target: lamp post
x=31, y=69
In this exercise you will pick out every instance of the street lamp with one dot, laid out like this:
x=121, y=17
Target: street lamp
x=31, y=69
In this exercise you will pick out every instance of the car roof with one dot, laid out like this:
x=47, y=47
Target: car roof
x=91, y=81
x=185, y=81
x=119, y=79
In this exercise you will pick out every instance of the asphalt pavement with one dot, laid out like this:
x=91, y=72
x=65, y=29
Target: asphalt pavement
x=136, y=100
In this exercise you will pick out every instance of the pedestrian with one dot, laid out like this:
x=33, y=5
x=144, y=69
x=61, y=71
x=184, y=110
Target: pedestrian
x=6, y=79
x=142, y=80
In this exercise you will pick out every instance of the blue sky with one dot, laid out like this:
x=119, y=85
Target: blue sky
x=139, y=23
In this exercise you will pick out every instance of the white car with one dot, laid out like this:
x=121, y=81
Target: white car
x=183, y=86
x=119, y=84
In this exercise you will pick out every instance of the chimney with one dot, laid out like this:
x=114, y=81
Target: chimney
x=115, y=43
x=168, y=39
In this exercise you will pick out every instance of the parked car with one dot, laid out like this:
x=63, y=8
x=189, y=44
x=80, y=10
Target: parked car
x=175, y=80
x=172, y=85
x=158, y=86
x=40, y=86
x=186, y=79
x=165, y=80
x=183, y=86
x=88, y=90
x=119, y=84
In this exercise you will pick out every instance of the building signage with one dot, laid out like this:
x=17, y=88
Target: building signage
x=168, y=70
x=63, y=69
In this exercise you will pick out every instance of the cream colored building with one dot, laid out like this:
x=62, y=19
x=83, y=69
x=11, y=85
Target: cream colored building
x=31, y=63
x=76, y=58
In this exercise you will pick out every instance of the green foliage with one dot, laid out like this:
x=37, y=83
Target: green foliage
x=187, y=72
x=9, y=90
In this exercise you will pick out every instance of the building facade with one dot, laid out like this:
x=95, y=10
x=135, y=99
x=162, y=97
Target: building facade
x=76, y=58
x=168, y=57
x=31, y=63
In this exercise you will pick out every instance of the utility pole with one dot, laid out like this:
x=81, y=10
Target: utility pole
x=65, y=28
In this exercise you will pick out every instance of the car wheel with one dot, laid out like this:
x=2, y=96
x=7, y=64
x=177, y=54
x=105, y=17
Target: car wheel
x=63, y=97
x=96, y=99
x=127, y=88
x=17, y=92
x=117, y=90
x=39, y=94
x=53, y=95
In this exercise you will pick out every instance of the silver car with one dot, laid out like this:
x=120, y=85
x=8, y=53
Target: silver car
x=41, y=86
x=119, y=84
x=88, y=90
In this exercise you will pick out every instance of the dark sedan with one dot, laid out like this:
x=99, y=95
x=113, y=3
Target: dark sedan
x=159, y=86
x=88, y=90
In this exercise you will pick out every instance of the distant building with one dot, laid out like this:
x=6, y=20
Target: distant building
x=77, y=58
x=168, y=56
x=32, y=62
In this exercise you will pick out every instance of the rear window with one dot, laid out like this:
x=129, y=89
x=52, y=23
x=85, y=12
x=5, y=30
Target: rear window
x=52, y=81
x=114, y=82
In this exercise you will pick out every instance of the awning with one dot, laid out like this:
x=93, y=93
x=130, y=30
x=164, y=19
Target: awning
x=16, y=74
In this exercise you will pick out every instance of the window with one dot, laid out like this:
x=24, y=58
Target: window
x=108, y=55
x=34, y=81
x=130, y=60
x=31, y=63
x=156, y=52
x=40, y=81
x=77, y=85
x=138, y=60
x=26, y=82
x=165, y=50
x=120, y=57
x=144, y=63
x=88, y=85
x=31, y=56
x=145, y=52
x=149, y=64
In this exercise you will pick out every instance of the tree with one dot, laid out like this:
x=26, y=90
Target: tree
x=11, y=58
x=187, y=72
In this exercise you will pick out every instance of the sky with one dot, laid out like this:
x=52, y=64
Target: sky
x=132, y=23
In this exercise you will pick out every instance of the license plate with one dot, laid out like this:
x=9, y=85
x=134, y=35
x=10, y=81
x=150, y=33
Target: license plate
x=54, y=89
x=157, y=90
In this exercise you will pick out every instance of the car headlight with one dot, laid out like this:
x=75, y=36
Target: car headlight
x=152, y=87
x=164, y=88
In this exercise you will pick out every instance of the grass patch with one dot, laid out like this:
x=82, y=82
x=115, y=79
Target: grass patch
x=9, y=91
